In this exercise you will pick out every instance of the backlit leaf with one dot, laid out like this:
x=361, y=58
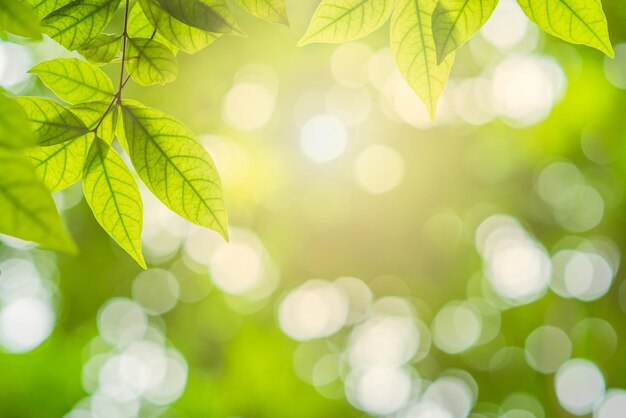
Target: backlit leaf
x=455, y=21
x=60, y=165
x=271, y=10
x=346, y=20
x=150, y=62
x=50, y=122
x=139, y=26
x=413, y=49
x=102, y=49
x=91, y=113
x=576, y=21
x=113, y=195
x=14, y=125
x=28, y=211
x=44, y=7
x=74, y=80
x=185, y=37
x=208, y=15
x=80, y=21
x=19, y=18
x=175, y=166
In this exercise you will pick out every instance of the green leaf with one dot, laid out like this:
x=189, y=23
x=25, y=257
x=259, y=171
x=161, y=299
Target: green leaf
x=102, y=49
x=44, y=7
x=80, y=21
x=14, y=125
x=455, y=21
x=74, y=80
x=50, y=122
x=139, y=26
x=346, y=20
x=113, y=195
x=19, y=18
x=413, y=48
x=575, y=21
x=28, y=211
x=91, y=113
x=187, y=38
x=59, y=166
x=150, y=62
x=271, y=10
x=208, y=15
x=175, y=166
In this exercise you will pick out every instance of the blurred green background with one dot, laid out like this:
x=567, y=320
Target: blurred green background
x=380, y=264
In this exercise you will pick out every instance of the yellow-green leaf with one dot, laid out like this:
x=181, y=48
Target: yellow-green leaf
x=92, y=114
x=28, y=211
x=575, y=21
x=346, y=20
x=185, y=37
x=139, y=26
x=19, y=18
x=44, y=7
x=59, y=166
x=80, y=21
x=271, y=10
x=50, y=122
x=456, y=21
x=175, y=166
x=102, y=49
x=74, y=80
x=113, y=195
x=14, y=125
x=413, y=48
x=208, y=15
x=150, y=62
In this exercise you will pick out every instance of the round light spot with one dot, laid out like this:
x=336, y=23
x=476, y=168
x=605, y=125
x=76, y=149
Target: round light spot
x=248, y=106
x=349, y=63
x=156, y=290
x=456, y=328
x=579, y=386
x=350, y=104
x=507, y=26
x=379, y=169
x=525, y=88
x=547, y=348
x=613, y=405
x=314, y=310
x=121, y=321
x=323, y=138
x=379, y=391
x=25, y=323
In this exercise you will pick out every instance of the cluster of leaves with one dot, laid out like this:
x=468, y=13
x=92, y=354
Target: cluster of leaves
x=425, y=33
x=46, y=145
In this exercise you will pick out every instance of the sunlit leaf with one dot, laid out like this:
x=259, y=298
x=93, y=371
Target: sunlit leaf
x=271, y=10
x=102, y=49
x=413, y=49
x=74, y=80
x=346, y=20
x=28, y=211
x=60, y=165
x=139, y=26
x=14, y=125
x=185, y=37
x=208, y=15
x=175, y=167
x=44, y=7
x=150, y=62
x=92, y=115
x=456, y=21
x=50, y=122
x=576, y=21
x=80, y=21
x=113, y=195
x=19, y=18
